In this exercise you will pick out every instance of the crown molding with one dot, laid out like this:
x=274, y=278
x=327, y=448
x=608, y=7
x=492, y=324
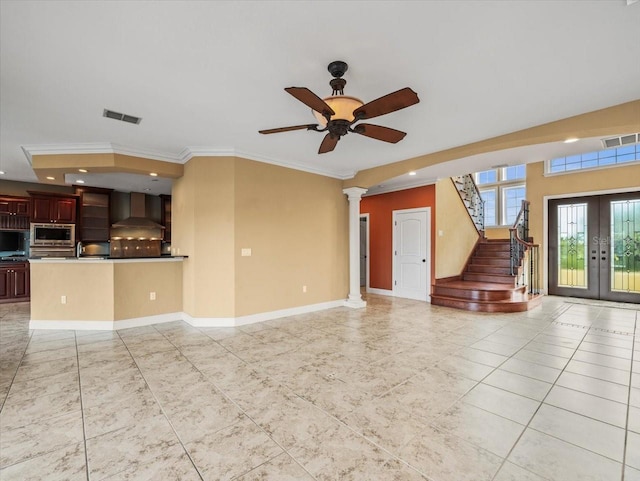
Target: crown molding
x=189, y=152
x=182, y=158
x=96, y=148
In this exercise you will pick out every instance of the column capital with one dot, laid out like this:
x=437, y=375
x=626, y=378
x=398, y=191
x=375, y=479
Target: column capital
x=354, y=192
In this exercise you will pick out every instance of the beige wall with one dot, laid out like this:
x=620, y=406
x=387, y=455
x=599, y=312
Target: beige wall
x=204, y=229
x=295, y=223
x=496, y=233
x=104, y=291
x=9, y=187
x=459, y=234
x=133, y=282
x=539, y=186
x=57, y=165
x=88, y=287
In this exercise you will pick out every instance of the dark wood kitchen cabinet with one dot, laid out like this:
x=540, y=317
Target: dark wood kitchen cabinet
x=165, y=216
x=14, y=205
x=94, y=223
x=15, y=213
x=51, y=209
x=14, y=282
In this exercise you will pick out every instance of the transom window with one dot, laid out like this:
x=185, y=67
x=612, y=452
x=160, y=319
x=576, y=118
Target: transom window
x=591, y=160
x=502, y=191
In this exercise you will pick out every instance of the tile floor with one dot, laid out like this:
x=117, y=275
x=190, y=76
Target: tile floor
x=401, y=390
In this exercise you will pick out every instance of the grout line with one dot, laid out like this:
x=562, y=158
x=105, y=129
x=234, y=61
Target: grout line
x=24, y=353
x=539, y=406
x=84, y=428
x=158, y=402
x=223, y=393
x=626, y=431
x=310, y=403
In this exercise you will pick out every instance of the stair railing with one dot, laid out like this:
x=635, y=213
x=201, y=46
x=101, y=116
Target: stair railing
x=472, y=199
x=525, y=259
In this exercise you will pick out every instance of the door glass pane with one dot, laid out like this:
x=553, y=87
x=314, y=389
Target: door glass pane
x=572, y=246
x=625, y=252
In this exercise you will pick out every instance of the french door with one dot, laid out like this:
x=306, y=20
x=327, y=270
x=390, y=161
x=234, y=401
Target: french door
x=594, y=247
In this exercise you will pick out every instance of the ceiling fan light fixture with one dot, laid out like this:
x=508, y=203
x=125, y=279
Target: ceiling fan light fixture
x=342, y=105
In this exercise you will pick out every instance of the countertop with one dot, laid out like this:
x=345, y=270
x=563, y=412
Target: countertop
x=13, y=260
x=106, y=259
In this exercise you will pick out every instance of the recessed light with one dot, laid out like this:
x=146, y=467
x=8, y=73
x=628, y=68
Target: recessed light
x=84, y=171
x=571, y=140
x=413, y=172
x=50, y=178
x=79, y=181
x=153, y=174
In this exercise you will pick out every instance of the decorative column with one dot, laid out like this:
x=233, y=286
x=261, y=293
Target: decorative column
x=355, y=299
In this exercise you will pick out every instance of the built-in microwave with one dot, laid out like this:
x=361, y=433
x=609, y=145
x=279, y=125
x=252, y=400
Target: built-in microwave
x=63, y=235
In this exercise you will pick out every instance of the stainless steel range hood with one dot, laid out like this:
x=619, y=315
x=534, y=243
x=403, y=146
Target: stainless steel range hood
x=137, y=218
x=137, y=226
x=136, y=236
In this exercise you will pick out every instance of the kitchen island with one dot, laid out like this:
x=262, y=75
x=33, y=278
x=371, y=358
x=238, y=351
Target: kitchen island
x=103, y=293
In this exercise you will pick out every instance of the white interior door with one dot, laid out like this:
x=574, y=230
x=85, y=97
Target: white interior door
x=411, y=254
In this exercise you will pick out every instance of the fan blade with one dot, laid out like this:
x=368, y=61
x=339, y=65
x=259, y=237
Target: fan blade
x=328, y=143
x=310, y=99
x=287, y=129
x=378, y=132
x=389, y=103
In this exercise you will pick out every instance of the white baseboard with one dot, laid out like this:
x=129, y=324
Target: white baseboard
x=106, y=325
x=259, y=317
x=81, y=325
x=145, y=321
x=72, y=325
x=380, y=292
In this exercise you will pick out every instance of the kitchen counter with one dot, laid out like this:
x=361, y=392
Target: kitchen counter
x=104, y=293
x=13, y=260
x=104, y=259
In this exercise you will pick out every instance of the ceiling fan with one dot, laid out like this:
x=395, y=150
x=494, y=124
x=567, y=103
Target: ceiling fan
x=337, y=114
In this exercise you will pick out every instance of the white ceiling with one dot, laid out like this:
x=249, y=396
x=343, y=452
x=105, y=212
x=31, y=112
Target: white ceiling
x=208, y=75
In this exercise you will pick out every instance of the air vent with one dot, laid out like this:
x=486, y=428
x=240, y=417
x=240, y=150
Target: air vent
x=619, y=141
x=124, y=117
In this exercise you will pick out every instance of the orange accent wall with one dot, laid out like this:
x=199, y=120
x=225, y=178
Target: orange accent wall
x=380, y=209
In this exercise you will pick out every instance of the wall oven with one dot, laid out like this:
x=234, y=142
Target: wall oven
x=53, y=235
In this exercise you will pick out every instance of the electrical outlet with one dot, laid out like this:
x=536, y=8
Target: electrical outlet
x=152, y=296
x=245, y=252
x=63, y=299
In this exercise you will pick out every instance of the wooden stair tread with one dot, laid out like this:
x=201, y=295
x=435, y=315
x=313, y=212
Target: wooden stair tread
x=497, y=294
x=479, y=286
x=518, y=297
x=521, y=304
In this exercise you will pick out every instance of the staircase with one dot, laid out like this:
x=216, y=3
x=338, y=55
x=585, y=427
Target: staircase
x=501, y=275
x=486, y=285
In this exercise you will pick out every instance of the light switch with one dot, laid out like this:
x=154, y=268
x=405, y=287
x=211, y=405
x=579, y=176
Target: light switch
x=246, y=252
x=440, y=233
